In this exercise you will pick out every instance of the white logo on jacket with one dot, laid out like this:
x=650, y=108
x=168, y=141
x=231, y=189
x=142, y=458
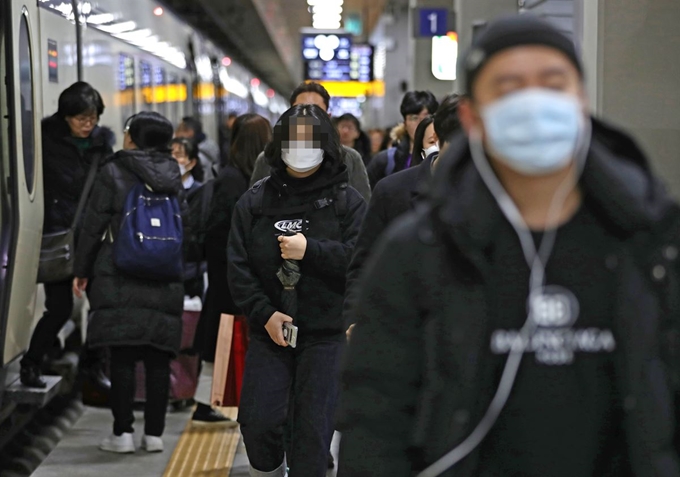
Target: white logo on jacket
x=292, y=225
x=555, y=341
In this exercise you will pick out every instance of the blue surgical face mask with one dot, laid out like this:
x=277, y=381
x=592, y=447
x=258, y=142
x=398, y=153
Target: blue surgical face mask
x=534, y=131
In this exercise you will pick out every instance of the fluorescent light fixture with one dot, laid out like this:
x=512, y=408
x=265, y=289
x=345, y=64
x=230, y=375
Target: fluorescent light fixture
x=322, y=3
x=232, y=85
x=101, y=18
x=326, y=17
x=117, y=28
x=327, y=9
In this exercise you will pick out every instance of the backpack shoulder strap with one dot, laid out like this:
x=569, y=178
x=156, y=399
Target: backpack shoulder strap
x=258, y=190
x=389, y=168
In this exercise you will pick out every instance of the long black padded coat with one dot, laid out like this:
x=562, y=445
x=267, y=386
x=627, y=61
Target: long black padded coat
x=128, y=310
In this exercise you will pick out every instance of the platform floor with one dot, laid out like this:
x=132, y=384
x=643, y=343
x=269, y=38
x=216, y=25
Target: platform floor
x=188, y=451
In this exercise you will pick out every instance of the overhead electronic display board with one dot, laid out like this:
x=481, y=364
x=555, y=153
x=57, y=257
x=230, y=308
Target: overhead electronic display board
x=327, y=56
x=361, y=63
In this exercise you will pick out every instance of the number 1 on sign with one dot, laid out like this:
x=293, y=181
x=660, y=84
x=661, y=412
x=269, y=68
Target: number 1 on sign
x=433, y=22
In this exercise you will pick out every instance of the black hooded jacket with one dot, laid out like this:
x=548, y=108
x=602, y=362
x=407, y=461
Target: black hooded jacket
x=65, y=169
x=128, y=310
x=414, y=386
x=391, y=198
x=254, y=255
x=376, y=167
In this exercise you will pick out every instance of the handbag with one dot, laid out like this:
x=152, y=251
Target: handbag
x=57, y=251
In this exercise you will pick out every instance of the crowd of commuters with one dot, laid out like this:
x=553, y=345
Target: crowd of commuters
x=498, y=272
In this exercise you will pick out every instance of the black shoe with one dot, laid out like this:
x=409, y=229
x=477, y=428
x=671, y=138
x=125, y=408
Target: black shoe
x=331, y=461
x=206, y=415
x=30, y=376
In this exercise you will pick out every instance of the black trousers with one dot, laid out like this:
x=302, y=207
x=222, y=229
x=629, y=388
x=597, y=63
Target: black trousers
x=307, y=375
x=59, y=306
x=157, y=369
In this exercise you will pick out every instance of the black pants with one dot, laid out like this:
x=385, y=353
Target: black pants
x=309, y=376
x=157, y=368
x=59, y=306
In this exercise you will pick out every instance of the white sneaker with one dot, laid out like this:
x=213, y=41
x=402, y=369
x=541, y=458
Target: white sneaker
x=122, y=444
x=152, y=443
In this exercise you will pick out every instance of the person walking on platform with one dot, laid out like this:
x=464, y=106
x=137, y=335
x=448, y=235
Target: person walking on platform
x=72, y=142
x=250, y=134
x=396, y=195
x=314, y=93
x=185, y=153
x=208, y=150
x=304, y=216
x=136, y=290
x=524, y=321
x=415, y=106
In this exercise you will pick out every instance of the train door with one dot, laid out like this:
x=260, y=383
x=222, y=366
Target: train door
x=21, y=197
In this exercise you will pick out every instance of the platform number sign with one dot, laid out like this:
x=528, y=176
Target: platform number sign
x=433, y=22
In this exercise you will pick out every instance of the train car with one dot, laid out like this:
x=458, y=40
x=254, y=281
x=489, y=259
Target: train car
x=140, y=57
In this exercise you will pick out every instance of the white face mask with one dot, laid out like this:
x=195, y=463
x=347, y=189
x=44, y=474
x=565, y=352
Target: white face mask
x=430, y=150
x=301, y=158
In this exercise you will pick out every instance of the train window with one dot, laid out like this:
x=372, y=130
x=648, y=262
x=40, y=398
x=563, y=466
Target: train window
x=27, y=110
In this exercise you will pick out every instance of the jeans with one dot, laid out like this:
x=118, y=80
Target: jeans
x=59, y=306
x=307, y=375
x=157, y=367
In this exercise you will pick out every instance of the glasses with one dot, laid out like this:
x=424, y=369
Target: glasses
x=415, y=118
x=83, y=120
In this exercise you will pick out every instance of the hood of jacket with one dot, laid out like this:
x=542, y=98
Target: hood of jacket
x=617, y=182
x=57, y=129
x=157, y=169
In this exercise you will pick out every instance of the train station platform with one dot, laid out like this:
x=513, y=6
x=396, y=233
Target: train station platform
x=189, y=451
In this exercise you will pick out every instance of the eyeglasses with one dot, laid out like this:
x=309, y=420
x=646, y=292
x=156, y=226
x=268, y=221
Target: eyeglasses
x=415, y=118
x=83, y=120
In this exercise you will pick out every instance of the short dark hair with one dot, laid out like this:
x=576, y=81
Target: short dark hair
x=323, y=129
x=311, y=87
x=150, y=130
x=196, y=126
x=191, y=150
x=418, y=139
x=446, y=121
x=349, y=117
x=250, y=134
x=415, y=101
x=80, y=98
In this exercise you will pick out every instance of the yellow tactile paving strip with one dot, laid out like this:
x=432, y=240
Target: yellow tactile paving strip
x=205, y=452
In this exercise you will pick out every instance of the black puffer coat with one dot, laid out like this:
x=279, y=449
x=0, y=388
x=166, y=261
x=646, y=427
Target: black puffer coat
x=65, y=169
x=229, y=185
x=255, y=256
x=128, y=310
x=414, y=386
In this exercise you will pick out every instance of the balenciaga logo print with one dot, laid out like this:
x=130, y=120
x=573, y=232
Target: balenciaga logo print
x=555, y=339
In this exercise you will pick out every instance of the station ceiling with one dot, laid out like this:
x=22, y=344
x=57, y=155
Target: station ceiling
x=263, y=35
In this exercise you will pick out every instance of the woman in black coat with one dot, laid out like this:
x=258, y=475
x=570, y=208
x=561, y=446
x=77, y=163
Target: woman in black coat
x=138, y=319
x=250, y=134
x=303, y=215
x=185, y=153
x=71, y=141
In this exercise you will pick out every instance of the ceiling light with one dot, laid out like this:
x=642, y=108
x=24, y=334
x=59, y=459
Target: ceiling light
x=226, y=61
x=314, y=3
x=158, y=11
x=327, y=9
x=117, y=28
x=101, y=18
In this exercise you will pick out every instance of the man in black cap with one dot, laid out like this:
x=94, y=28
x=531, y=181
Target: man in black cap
x=524, y=322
